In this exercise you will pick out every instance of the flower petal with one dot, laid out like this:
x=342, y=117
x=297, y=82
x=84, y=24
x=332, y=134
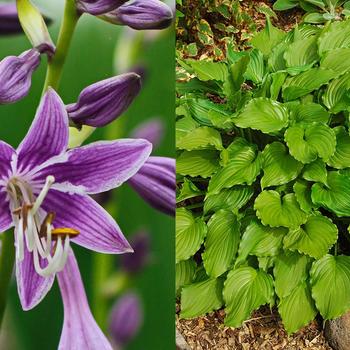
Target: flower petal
x=5, y=214
x=100, y=166
x=32, y=288
x=98, y=7
x=98, y=230
x=80, y=330
x=7, y=155
x=48, y=135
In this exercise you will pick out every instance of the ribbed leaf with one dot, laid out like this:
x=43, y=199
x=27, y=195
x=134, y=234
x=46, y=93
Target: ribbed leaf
x=200, y=298
x=188, y=190
x=190, y=233
x=238, y=70
x=335, y=97
x=275, y=211
x=282, y=5
x=221, y=244
x=341, y=157
x=232, y=199
x=337, y=60
x=263, y=114
x=184, y=272
x=206, y=70
x=313, y=238
x=197, y=163
x=308, y=113
x=245, y=290
x=335, y=197
x=185, y=126
x=302, y=190
x=330, y=285
x=315, y=172
x=256, y=67
x=276, y=61
x=307, y=142
x=278, y=166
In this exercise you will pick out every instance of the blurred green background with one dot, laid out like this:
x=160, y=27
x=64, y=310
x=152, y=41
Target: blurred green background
x=91, y=59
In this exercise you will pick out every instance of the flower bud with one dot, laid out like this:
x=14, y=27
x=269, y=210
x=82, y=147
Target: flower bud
x=141, y=14
x=98, y=7
x=9, y=22
x=16, y=75
x=126, y=318
x=155, y=183
x=151, y=130
x=134, y=263
x=102, y=102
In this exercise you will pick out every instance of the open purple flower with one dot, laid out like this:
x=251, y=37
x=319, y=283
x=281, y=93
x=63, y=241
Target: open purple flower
x=44, y=194
x=98, y=7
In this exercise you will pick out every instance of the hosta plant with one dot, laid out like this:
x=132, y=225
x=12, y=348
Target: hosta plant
x=263, y=178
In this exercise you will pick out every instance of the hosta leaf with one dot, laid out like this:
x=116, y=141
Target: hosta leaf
x=330, y=285
x=314, y=17
x=274, y=210
x=263, y=114
x=200, y=298
x=188, y=190
x=190, y=233
x=256, y=67
x=278, y=166
x=184, y=272
x=297, y=309
x=201, y=138
x=341, y=157
x=245, y=290
x=185, y=126
x=261, y=241
x=308, y=113
x=337, y=60
x=315, y=172
x=276, y=61
x=282, y=5
x=278, y=80
x=198, y=163
x=302, y=190
x=232, y=199
x=306, y=82
x=335, y=97
x=243, y=168
x=307, y=142
x=313, y=238
x=206, y=70
x=237, y=70
x=221, y=243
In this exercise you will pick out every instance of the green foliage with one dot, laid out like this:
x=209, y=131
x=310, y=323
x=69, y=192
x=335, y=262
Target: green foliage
x=267, y=180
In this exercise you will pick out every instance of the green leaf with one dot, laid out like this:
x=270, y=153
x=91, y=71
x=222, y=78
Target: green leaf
x=341, y=157
x=260, y=241
x=197, y=163
x=263, y=114
x=256, y=67
x=278, y=80
x=190, y=233
x=184, y=272
x=234, y=199
x=206, y=70
x=335, y=97
x=302, y=190
x=241, y=169
x=188, y=190
x=185, y=126
x=221, y=244
x=200, y=298
x=313, y=238
x=237, y=70
x=330, y=285
x=245, y=290
x=201, y=138
x=278, y=166
x=282, y=5
x=315, y=172
x=334, y=197
x=307, y=142
x=276, y=61
x=274, y=210
x=314, y=17
x=337, y=60
x=309, y=113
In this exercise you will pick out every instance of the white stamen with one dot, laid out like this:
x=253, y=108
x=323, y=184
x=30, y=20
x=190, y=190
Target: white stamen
x=20, y=240
x=49, y=181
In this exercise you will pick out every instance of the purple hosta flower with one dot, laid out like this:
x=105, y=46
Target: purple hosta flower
x=134, y=263
x=141, y=14
x=155, y=183
x=16, y=75
x=104, y=101
x=151, y=130
x=44, y=194
x=126, y=318
x=80, y=330
x=9, y=22
x=98, y=7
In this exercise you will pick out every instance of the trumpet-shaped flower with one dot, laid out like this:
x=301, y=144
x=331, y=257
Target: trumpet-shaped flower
x=98, y=7
x=44, y=192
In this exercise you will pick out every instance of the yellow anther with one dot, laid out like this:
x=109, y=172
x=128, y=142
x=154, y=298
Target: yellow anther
x=64, y=232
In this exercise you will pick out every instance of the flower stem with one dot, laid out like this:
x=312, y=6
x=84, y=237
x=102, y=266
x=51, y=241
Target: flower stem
x=7, y=260
x=55, y=65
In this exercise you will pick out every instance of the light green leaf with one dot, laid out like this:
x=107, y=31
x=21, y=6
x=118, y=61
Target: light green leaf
x=206, y=70
x=276, y=61
x=315, y=18
x=313, y=238
x=274, y=210
x=278, y=166
x=334, y=197
x=197, y=163
x=263, y=114
x=232, y=199
x=256, y=67
x=335, y=97
x=302, y=190
x=315, y=172
x=307, y=142
x=245, y=290
x=337, y=60
x=188, y=190
x=330, y=285
x=282, y=5
x=185, y=126
x=238, y=70
x=190, y=233
x=341, y=157
x=184, y=272
x=221, y=244
x=309, y=113
x=278, y=80
x=200, y=298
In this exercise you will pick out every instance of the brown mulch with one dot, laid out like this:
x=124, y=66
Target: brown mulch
x=264, y=331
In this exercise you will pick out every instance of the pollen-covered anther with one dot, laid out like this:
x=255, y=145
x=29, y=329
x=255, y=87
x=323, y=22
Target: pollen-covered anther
x=64, y=232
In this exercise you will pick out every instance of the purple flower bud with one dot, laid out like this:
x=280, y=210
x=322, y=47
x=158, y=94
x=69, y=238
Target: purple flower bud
x=98, y=7
x=151, y=130
x=134, y=263
x=126, y=318
x=102, y=102
x=9, y=22
x=155, y=183
x=141, y=14
x=16, y=75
